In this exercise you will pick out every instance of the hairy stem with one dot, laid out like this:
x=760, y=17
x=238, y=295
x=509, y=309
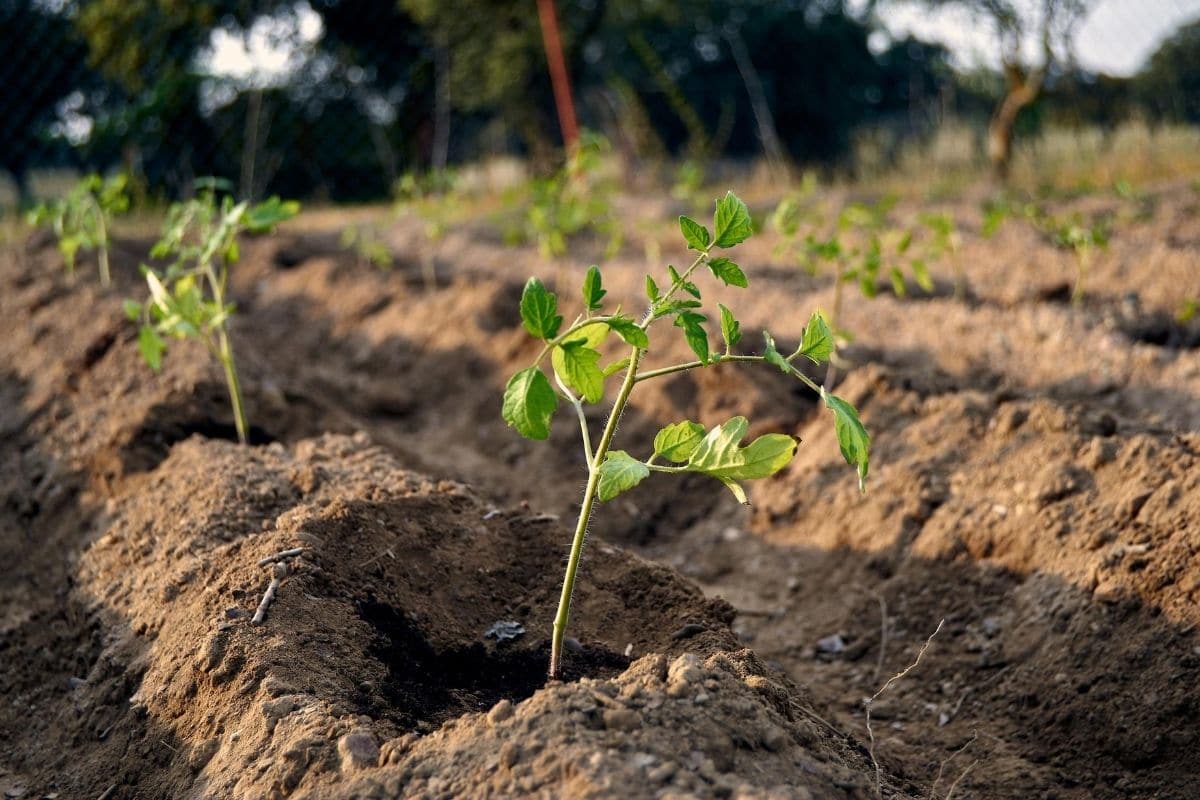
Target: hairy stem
x=224, y=353
x=585, y=511
x=724, y=359
x=583, y=426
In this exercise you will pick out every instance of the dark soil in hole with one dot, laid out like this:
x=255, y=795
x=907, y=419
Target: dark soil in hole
x=430, y=686
x=1162, y=330
x=152, y=442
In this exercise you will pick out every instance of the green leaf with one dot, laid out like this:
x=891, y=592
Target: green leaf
x=151, y=346
x=763, y=457
x=538, y=310
x=693, y=331
x=652, y=293
x=852, y=437
x=619, y=473
x=728, y=272
x=615, y=367
x=592, y=291
x=697, y=236
x=269, y=213
x=579, y=367
x=921, y=274
x=899, y=287
x=628, y=330
x=132, y=309
x=731, y=223
x=674, y=307
x=737, y=490
x=731, y=329
x=817, y=344
x=719, y=455
x=529, y=403
x=678, y=441
x=773, y=356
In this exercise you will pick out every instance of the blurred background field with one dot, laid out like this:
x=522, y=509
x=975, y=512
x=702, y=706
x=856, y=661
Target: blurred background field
x=336, y=101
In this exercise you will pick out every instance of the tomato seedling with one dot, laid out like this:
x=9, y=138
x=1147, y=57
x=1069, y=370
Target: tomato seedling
x=862, y=245
x=368, y=246
x=188, y=298
x=1081, y=237
x=531, y=398
x=82, y=219
x=944, y=243
x=573, y=200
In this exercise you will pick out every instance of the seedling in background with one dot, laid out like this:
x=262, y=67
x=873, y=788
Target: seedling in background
x=82, y=219
x=688, y=186
x=368, y=245
x=575, y=199
x=1081, y=237
x=944, y=243
x=432, y=198
x=576, y=377
x=188, y=298
x=861, y=247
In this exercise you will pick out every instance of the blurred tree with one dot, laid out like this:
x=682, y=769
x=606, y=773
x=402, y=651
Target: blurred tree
x=1047, y=27
x=44, y=65
x=1169, y=85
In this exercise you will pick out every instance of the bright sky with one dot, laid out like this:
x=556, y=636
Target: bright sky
x=266, y=54
x=1116, y=37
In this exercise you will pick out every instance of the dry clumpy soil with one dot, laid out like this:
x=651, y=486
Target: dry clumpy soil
x=1035, y=484
x=134, y=534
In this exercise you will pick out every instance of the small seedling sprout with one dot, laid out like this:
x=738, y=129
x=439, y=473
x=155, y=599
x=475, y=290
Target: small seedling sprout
x=578, y=378
x=188, y=298
x=82, y=220
x=861, y=246
x=575, y=199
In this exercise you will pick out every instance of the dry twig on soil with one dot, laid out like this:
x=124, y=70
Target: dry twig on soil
x=884, y=688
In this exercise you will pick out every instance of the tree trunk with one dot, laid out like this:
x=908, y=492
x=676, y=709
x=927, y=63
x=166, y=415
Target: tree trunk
x=1021, y=92
x=763, y=119
x=441, y=108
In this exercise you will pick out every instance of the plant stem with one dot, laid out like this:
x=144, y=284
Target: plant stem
x=831, y=373
x=1081, y=264
x=225, y=356
x=585, y=511
x=102, y=251
x=725, y=359
x=722, y=359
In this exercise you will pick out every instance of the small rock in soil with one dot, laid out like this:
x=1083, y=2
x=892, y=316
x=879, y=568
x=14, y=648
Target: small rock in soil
x=831, y=645
x=572, y=645
x=500, y=712
x=622, y=719
x=359, y=750
x=688, y=631
x=505, y=630
x=510, y=754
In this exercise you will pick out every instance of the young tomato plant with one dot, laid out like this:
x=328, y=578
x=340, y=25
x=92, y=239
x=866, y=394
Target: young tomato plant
x=368, y=246
x=575, y=199
x=433, y=198
x=531, y=398
x=83, y=218
x=944, y=243
x=861, y=246
x=188, y=298
x=1081, y=237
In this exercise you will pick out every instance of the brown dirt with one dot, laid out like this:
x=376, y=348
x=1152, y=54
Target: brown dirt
x=1035, y=484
